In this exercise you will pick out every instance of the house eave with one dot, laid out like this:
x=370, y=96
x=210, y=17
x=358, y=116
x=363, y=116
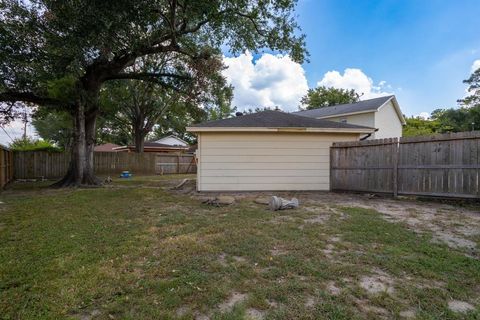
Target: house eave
x=285, y=129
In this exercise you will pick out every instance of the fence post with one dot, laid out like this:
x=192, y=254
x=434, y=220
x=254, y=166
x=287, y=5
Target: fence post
x=178, y=163
x=395, y=154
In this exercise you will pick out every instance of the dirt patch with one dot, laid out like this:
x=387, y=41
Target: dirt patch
x=234, y=298
x=454, y=241
x=182, y=311
x=377, y=283
x=87, y=315
x=222, y=259
x=460, y=306
x=334, y=239
x=255, y=314
x=200, y=316
x=333, y=289
x=239, y=259
x=407, y=314
x=317, y=219
x=449, y=224
x=309, y=302
x=366, y=307
x=276, y=251
x=458, y=227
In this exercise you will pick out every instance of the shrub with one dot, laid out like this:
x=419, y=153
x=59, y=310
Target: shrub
x=28, y=144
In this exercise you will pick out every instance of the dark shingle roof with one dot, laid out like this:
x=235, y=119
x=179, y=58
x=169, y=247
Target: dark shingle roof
x=365, y=105
x=275, y=119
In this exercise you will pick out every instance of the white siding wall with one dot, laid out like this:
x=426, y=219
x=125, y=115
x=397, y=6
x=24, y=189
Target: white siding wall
x=362, y=119
x=172, y=141
x=387, y=122
x=265, y=161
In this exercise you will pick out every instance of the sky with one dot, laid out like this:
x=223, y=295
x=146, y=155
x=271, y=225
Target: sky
x=419, y=50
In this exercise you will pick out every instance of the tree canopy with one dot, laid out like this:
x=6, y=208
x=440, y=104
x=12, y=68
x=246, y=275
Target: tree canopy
x=59, y=54
x=322, y=96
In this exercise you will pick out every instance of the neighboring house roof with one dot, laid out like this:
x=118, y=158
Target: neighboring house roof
x=106, y=147
x=364, y=106
x=269, y=120
x=168, y=140
x=152, y=146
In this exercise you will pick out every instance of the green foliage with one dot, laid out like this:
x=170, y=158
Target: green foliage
x=62, y=89
x=323, y=97
x=54, y=126
x=417, y=126
x=457, y=120
x=28, y=144
x=473, y=99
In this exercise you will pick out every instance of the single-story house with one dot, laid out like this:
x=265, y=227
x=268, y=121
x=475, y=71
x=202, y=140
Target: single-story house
x=269, y=150
x=382, y=113
x=106, y=147
x=154, y=147
x=172, y=140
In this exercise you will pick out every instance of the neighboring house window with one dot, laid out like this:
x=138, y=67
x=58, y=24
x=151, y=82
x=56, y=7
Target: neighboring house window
x=343, y=120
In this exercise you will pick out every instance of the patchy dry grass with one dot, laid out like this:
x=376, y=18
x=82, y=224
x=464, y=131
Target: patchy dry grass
x=136, y=250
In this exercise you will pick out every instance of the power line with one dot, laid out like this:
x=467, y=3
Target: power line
x=6, y=133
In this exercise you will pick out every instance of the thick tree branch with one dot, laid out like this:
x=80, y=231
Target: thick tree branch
x=28, y=97
x=146, y=76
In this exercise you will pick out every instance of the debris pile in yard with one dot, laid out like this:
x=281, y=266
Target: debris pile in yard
x=219, y=200
x=277, y=203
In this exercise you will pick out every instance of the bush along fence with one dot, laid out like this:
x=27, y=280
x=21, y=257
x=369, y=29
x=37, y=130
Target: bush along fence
x=53, y=165
x=445, y=165
x=6, y=166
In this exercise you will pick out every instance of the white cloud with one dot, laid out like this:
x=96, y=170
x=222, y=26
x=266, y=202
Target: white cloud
x=475, y=65
x=15, y=130
x=424, y=115
x=355, y=79
x=272, y=80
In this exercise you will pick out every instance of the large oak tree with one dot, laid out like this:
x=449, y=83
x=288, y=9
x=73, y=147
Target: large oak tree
x=59, y=53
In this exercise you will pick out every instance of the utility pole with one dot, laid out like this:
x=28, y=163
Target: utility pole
x=25, y=121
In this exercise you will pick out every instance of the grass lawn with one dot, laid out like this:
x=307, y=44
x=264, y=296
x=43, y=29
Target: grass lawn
x=139, y=251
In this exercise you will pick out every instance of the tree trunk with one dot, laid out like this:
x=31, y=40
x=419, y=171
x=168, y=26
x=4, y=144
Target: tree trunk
x=81, y=169
x=139, y=135
x=89, y=177
x=139, y=142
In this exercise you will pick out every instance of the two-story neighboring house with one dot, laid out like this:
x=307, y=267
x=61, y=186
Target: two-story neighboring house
x=382, y=113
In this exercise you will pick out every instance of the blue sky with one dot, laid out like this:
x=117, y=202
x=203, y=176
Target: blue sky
x=422, y=49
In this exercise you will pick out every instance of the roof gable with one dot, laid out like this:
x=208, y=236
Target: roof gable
x=172, y=140
x=341, y=109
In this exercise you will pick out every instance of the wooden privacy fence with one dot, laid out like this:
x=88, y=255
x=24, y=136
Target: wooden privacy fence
x=51, y=165
x=6, y=166
x=446, y=165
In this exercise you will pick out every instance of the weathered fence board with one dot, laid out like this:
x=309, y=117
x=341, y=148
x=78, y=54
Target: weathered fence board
x=446, y=165
x=48, y=165
x=6, y=166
